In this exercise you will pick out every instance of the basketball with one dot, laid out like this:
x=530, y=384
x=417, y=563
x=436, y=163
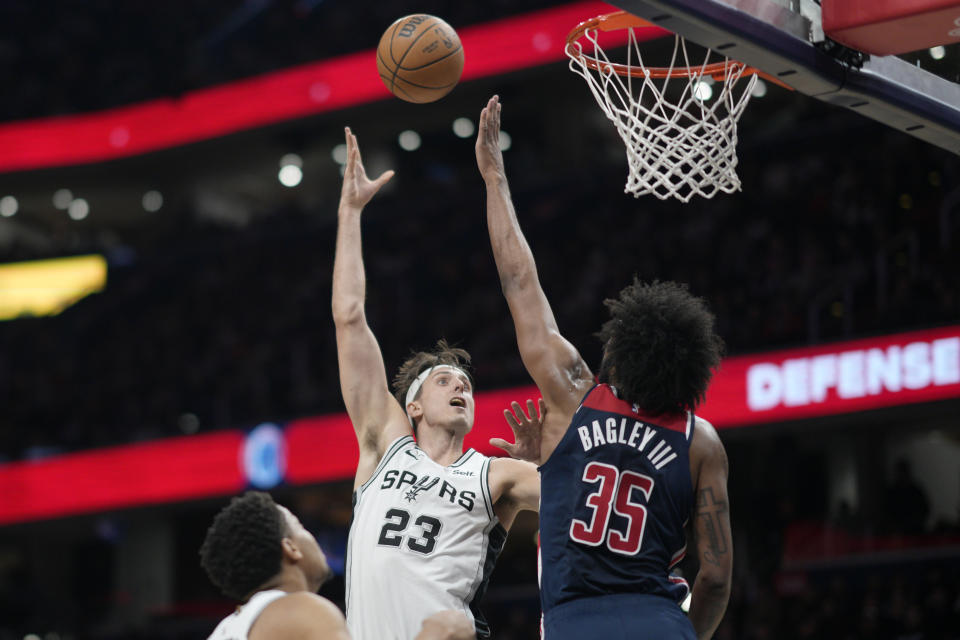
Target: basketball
x=420, y=58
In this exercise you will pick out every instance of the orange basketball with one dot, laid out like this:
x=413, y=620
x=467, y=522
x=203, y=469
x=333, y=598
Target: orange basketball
x=420, y=58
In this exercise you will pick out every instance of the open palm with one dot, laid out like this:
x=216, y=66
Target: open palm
x=489, y=156
x=358, y=189
x=526, y=431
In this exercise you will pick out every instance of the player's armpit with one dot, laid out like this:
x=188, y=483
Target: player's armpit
x=300, y=616
x=557, y=368
x=712, y=533
x=563, y=378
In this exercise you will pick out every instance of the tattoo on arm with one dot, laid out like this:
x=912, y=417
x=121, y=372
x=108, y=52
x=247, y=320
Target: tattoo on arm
x=709, y=511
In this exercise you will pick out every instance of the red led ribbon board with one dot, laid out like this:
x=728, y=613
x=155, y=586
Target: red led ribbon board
x=494, y=47
x=886, y=27
x=164, y=471
x=838, y=378
x=325, y=448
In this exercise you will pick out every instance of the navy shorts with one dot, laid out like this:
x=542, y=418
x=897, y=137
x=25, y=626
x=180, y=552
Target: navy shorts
x=618, y=617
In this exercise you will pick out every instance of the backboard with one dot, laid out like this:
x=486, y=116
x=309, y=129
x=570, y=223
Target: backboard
x=785, y=38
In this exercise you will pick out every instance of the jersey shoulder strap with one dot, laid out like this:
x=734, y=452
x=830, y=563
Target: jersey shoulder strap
x=398, y=445
x=237, y=624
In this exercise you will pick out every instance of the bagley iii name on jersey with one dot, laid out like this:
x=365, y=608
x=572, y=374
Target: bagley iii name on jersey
x=597, y=435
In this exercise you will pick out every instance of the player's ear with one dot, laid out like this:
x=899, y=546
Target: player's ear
x=290, y=550
x=414, y=410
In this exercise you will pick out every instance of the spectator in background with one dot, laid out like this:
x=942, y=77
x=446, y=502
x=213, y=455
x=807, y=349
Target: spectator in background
x=908, y=506
x=847, y=518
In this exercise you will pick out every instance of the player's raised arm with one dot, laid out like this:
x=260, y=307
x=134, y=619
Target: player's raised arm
x=711, y=527
x=554, y=364
x=377, y=417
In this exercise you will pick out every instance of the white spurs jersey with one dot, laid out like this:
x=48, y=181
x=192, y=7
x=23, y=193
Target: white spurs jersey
x=237, y=625
x=424, y=538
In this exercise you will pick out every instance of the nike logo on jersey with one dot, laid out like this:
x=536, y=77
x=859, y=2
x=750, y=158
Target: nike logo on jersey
x=595, y=435
x=415, y=487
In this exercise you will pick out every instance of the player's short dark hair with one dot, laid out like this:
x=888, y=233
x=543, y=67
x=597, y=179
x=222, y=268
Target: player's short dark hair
x=660, y=348
x=243, y=548
x=419, y=361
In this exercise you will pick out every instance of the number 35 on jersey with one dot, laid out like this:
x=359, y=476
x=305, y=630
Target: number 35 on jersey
x=618, y=492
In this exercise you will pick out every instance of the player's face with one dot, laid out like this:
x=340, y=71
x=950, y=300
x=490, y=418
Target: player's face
x=314, y=563
x=447, y=399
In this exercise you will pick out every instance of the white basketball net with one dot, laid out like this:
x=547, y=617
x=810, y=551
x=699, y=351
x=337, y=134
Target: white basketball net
x=676, y=147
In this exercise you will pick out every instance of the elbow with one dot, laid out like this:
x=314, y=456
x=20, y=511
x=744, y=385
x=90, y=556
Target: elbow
x=346, y=314
x=715, y=582
x=516, y=278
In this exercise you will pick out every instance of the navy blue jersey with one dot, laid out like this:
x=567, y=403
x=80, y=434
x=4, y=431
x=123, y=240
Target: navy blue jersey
x=615, y=496
x=623, y=616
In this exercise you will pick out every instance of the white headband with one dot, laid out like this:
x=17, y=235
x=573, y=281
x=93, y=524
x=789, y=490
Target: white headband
x=415, y=387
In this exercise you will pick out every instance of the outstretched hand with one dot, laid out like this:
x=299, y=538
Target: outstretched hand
x=489, y=156
x=526, y=431
x=357, y=188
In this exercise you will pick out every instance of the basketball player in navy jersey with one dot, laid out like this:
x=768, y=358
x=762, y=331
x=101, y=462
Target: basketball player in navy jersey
x=625, y=465
x=259, y=554
x=429, y=518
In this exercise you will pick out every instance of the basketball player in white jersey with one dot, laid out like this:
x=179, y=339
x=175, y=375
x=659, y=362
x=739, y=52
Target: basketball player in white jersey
x=429, y=519
x=258, y=553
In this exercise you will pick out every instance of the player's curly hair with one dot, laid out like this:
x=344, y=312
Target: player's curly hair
x=243, y=549
x=418, y=361
x=660, y=348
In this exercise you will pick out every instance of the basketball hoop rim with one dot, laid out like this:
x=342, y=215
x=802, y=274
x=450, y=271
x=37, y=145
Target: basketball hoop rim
x=624, y=20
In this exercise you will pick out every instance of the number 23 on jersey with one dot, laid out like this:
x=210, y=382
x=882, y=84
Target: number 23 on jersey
x=392, y=533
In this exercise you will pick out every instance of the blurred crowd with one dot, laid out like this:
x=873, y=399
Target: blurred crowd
x=82, y=56
x=204, y=327
x=859, y=604
x=843, y=230
x=899, y=603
